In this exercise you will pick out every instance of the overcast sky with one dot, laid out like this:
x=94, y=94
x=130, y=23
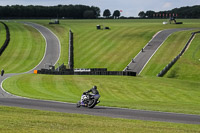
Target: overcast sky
x=129, y=7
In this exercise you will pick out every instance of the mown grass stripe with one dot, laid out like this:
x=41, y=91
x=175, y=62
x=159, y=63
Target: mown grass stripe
x=103, y=49
x=85, y=53
x=95, y=51
x=26, y=48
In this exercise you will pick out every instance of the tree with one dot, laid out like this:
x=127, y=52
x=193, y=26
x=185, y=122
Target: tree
x=141, y=14
x=106, y=13
x=97, y=11
x=149, y=14
x=116, y=14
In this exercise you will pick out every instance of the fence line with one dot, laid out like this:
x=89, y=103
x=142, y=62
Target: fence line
x=71, y=50
x=93, y=71
x=166, y=69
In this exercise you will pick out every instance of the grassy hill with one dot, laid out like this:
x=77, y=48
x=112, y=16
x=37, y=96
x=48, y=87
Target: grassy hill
x=25, y=50
x=94, y=48
x=113, y=48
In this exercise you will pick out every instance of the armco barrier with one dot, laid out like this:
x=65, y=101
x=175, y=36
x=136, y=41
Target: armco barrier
x=166, y=69
x=7, y=39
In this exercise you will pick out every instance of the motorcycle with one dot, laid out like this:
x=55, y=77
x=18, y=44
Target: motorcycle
x=88, y=100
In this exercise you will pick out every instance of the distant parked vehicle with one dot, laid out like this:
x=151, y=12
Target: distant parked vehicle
x=54, y=21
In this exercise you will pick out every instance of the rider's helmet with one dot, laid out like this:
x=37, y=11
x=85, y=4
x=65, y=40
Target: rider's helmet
x=94, y=87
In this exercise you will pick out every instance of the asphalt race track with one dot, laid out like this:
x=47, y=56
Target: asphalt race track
x=143, y=57
x=101, y=111
x=51, y=56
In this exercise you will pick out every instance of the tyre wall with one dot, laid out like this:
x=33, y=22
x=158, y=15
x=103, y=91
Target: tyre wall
x=7, y=39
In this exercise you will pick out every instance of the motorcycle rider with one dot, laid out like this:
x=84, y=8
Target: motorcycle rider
x=92, y=92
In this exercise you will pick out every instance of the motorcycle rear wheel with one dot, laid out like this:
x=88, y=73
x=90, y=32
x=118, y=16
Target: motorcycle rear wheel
x=92, y=103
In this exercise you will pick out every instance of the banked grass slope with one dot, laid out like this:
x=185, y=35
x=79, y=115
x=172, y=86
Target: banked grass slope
x=25, y=50
x=2, y=34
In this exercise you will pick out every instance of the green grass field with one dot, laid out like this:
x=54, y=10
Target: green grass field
x=25, y=120
x=178, y=91
x=2, y=34
x=25, y=50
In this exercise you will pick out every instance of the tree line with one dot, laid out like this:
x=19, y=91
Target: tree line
x=182, y=12
x=88, y=12
x=107, y=14
x=59, y=11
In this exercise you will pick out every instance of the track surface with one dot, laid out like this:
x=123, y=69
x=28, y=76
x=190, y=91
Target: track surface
x=51, y=56
x=148, y=51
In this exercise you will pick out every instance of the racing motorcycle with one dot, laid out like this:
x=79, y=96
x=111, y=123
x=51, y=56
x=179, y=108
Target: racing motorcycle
x=88, y=100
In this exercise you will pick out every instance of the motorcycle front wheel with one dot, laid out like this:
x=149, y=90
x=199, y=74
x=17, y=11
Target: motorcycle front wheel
x=78, y=105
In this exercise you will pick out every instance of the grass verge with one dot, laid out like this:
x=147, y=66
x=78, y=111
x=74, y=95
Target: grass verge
x=26, y=120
